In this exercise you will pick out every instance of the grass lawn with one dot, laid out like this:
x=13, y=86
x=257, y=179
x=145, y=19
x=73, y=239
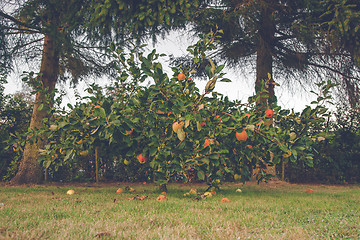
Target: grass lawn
x=266, y=211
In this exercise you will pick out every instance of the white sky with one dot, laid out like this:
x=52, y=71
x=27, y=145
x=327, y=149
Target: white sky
x=176, y=43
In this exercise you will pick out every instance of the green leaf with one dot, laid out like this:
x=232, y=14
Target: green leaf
x=294, y=153
x=102, y=112
x=201, y=175
x=214, y=156
x=40, y=107
x=68, y=155
x=219, y=68
x=62, y=124
x=116, y=122
x=181, y=134
x=135, y=101
x=205, y=160
x=225, y=80
x=284, y=148
x=153, y=151
x=198, y=126
x=306, y=112
x=152, y=164
x=47, y=164
x=187, y=123
x=213, y=68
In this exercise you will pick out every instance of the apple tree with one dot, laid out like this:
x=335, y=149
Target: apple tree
x=174, y=128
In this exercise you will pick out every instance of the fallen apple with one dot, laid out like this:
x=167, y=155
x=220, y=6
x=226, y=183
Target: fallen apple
x=225, y=200
x=161, y=198
x=309, y=190
x=193, y=191
x=208, y=194
x=70, y=192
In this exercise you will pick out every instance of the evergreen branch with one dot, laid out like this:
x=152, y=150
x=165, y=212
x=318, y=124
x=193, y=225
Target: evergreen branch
x=333, y=70
x=26, y=44
x=14, y=20
x=20, y=30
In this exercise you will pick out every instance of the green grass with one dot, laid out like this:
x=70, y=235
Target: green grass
x=265, y=211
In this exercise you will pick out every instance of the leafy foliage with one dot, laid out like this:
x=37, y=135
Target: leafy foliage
x=15, y=113
x=342, y=22
x=138, y=18
x=337, y=157
x=121, y=122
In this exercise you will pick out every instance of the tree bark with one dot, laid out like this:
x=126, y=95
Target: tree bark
x=97, y=164
x=30, y=170
x=264, y=58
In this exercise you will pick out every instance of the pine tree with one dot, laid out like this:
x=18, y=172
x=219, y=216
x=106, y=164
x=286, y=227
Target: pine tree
x=280, y=38
x=70, y=36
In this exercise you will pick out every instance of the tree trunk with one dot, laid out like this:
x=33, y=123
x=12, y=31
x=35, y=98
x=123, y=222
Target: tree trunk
x=163, y=188
x=97, y=164
x=264, y=58
x=30, y=170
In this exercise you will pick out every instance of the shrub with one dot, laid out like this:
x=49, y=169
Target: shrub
x=337, y=157
x=15, y=114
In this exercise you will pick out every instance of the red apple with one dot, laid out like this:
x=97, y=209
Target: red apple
x=241, y=136
x=141, y=158
x=181, y=76
x=269, y=113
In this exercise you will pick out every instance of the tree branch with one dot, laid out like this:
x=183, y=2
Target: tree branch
x=333, y=70
x=21, y=30
x=26, y=44
x=14, y=20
